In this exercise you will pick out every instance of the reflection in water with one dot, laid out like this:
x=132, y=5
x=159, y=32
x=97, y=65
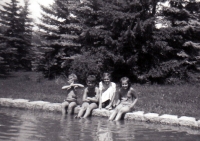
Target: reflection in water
x=104, y=132
x=19, y=125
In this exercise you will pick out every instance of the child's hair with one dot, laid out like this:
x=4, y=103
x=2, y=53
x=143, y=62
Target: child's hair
x=106, y=74
x=127, y=80
x=73, y=76
x=91, y=79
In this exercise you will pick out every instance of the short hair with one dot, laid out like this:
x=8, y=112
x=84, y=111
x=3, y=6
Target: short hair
x=91, y=78
x=73, y=76
x=106, y=74
x=127, y=80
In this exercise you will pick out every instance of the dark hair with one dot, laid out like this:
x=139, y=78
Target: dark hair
x=127, y=80
x=105, y=74
x=91, y=78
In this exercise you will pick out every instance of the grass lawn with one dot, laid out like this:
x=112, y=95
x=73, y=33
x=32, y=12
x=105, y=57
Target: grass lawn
x=181, y=100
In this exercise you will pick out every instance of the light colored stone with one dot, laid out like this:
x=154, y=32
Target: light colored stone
x=52, y=107
x=198, y=122
x=6, y=102
x=77, y=109
x=152, y=117
x=20, y=103
x=188, y=121
x=36, y=104
x=102, y=112
x=169, y=119
x=139, y=115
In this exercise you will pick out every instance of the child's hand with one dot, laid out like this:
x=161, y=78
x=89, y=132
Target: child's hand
x=88, y=98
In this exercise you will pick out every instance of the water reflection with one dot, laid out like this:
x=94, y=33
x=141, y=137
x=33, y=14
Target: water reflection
x=19, y=125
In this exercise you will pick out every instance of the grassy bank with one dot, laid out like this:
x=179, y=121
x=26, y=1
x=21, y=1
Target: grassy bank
x=182, y=100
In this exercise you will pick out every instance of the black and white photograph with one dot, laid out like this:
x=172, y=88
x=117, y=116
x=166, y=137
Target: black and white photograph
x=99, y=70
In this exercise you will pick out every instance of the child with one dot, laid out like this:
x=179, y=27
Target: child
x=107, y=92
x=71, y=101
x=90, y=97
x=127, y=99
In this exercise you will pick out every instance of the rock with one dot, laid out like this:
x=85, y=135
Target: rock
x=52, y=107
x=198, y=122
x=139, y=115
x=6, y=102
x=77, y=109
x=20, y=103
x=169, y=119
x=188, y=121
x=36, y=104
x=102, y=112
x=152, y=117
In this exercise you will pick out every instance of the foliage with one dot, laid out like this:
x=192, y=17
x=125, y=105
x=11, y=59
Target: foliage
x=125, y=28
x=95, y=62
x=178, y=44
x=16, y=35
x=59, y=35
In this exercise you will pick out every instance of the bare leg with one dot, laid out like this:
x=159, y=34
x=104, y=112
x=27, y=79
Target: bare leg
x=71, y=107
x=89, y=109
x=122, y=111
x=83, y=109
x=114, y=113
x=64, y=106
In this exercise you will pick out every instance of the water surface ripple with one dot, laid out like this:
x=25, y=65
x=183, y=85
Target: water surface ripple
x=22, y=125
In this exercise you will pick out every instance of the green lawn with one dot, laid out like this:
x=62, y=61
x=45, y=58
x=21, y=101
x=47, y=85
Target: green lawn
x=182, y=100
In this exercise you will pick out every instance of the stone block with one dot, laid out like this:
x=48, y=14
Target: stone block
x=152, y=117
x=56, y=107
x=188, y=121
x=198, y=122
x=77, y=109
x=169, y=119
x=102, y=112
x=20, y=103
x=36, y=105
x=6, y=102
x=139, y=115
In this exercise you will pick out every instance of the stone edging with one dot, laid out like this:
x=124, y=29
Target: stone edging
x=136, y=115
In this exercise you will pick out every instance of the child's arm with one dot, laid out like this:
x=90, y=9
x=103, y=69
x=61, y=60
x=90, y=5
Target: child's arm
x=78, y=85
x=70, y=99
x=66, y=87
x=100, y=102
x=96, y=98
x=85, y=95
x=75, y=85
x=133, y=92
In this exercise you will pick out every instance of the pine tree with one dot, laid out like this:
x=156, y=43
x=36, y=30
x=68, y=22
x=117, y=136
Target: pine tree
x=26, y=25
x=59, y=31
x=4, y=65
x=122, y=27
x=14, y=19
x=178, y=43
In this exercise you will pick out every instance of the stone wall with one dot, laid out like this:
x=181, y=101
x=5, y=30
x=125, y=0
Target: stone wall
x=136, y=115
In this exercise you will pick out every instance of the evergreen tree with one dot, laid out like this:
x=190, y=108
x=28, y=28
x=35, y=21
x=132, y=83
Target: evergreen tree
x=14, y=19
x=26, y=25
x=122, y=27
x=4, y=66
x=178, y=44
x=59, y=31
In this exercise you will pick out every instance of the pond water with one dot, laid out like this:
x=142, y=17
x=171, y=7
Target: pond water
x=24, y=125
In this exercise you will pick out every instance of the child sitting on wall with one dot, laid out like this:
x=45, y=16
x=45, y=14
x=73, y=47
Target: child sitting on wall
x=90, y=97
x=107, y=92
x=127, y=99
x=71, y=101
